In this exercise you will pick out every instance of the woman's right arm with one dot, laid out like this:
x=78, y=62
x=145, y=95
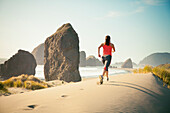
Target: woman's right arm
x=99, y=49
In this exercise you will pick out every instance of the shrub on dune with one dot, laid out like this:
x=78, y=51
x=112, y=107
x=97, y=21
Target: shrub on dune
x=147, y=69
x=9, y=82
x=2, y=87
x=25, y=81
x=18, y=83
x=140, y=70
x=33, y=85
x=135, y=71
x=162, y=71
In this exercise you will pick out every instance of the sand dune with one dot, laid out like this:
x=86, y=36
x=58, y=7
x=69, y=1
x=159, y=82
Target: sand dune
x=123, y=93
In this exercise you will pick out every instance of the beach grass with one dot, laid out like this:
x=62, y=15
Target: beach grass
x=25, y=81
x=146, y=69
x=3, y=88
x=8, y=83
x=18, y=83
x=161, y=71
x=33, y=85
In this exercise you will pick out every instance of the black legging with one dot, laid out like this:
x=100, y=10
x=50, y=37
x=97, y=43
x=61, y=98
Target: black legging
x=106, y=59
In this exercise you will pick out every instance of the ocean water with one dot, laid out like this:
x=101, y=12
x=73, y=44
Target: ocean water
x=85, y=72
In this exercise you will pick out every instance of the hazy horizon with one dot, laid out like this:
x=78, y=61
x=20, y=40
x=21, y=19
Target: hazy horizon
x=137, y=28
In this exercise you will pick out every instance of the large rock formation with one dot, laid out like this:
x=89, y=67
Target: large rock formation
x=156, y=59
x=127, y=64
x=92, y=61
x=61, y=55
x=38, y=53
x=82, y=59
x=22, y=62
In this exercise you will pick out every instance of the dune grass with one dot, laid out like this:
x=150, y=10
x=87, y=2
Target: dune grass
x=2, y=88
x=8, y=83
x=25, y=81
x=34, y=85
x=146, y=69
x=161, y=71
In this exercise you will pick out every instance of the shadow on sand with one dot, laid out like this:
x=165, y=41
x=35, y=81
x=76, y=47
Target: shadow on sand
x=160, y=102
x=134, y=86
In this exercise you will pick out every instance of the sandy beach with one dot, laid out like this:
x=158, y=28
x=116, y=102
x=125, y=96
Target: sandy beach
x=130, y=93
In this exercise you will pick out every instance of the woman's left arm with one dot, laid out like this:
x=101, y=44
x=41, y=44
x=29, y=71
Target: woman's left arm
x=112, y=45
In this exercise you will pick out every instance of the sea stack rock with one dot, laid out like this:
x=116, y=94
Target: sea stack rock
x=22, y=62
x=82, y=59
x=38, y=53
x=92, y=61
x=127, y=64
x=61, y=55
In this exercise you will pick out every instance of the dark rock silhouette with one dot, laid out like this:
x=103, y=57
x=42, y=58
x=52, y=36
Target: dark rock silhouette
x=156, y=59
x=38, y=53
x=92, y=61
x=61, y=55
x=22, y=62
x=82, y=59
x=127, y=64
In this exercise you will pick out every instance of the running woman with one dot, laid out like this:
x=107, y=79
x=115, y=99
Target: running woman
x=107, y=56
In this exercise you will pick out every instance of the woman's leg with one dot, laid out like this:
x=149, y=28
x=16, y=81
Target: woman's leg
x=108, y=61
x=107, y=75
x=104, y=62
x=104, y=71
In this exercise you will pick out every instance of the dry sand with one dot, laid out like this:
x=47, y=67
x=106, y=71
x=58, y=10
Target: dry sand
x=132, y=93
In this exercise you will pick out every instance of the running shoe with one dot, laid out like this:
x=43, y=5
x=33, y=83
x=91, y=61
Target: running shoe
x=101, y=79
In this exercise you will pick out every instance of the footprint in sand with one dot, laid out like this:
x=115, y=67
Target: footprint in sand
x=81, y=89
x=98, y=83
x=30, y=107
x=64, y=96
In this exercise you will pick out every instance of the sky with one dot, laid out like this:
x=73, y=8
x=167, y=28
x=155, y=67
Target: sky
x=137, y=28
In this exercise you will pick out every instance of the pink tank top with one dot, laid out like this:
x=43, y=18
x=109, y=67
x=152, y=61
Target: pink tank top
x=107, y=50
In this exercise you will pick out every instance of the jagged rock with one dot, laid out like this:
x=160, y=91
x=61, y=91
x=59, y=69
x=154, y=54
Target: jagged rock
x=82, y=59
x=38, y=53
x=92, y=61
x=127, y=64
x=61, y=55
x=22, y=62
